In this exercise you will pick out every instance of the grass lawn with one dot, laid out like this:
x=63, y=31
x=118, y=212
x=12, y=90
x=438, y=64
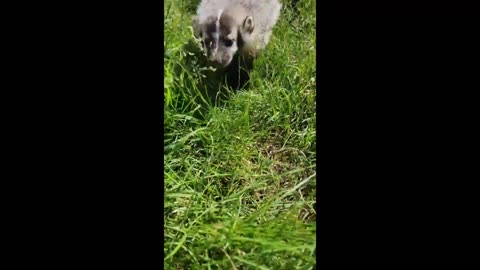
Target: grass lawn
x=240, y=181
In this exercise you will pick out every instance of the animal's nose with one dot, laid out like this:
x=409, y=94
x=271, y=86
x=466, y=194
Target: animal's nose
x=225, y=62
x=215, y=61
x=219, y=61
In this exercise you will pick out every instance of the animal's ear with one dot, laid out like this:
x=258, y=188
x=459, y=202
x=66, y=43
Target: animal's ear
x=248, y=24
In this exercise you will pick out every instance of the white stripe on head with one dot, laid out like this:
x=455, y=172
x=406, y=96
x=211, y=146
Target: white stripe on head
x=217, y=33
x=219, y=15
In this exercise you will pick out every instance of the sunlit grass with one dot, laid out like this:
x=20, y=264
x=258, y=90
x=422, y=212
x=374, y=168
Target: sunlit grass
x=240, y=175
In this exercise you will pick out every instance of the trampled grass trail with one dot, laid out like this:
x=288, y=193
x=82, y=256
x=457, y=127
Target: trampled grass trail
x=240, y=181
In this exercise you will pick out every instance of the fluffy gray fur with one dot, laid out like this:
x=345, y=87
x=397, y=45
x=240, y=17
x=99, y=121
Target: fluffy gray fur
x=227, y=27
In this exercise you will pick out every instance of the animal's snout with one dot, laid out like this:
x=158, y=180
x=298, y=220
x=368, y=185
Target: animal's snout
x=220, y=60
x=226, y=60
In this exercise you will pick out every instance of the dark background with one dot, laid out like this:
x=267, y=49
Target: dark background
x=397, y=141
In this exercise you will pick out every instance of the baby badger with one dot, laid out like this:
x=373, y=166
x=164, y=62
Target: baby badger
x=230, y=26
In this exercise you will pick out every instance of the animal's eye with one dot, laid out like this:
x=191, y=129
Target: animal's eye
x=228, y=42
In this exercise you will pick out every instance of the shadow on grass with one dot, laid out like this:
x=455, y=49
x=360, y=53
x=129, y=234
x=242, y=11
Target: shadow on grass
x=211, y=87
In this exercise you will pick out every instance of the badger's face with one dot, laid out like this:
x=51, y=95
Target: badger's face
x=221, y=37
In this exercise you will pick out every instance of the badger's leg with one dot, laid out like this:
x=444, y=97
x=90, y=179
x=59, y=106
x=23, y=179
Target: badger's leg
x=238, y=72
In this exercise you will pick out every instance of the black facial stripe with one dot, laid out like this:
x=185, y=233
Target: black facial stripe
x=240, y=42
x=209, y=40
x=211, y=28
x=226, y=22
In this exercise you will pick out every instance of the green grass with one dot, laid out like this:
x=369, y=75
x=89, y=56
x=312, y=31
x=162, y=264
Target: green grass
x=240, y=171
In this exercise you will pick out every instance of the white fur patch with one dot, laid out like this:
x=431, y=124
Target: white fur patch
x=217, y=33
